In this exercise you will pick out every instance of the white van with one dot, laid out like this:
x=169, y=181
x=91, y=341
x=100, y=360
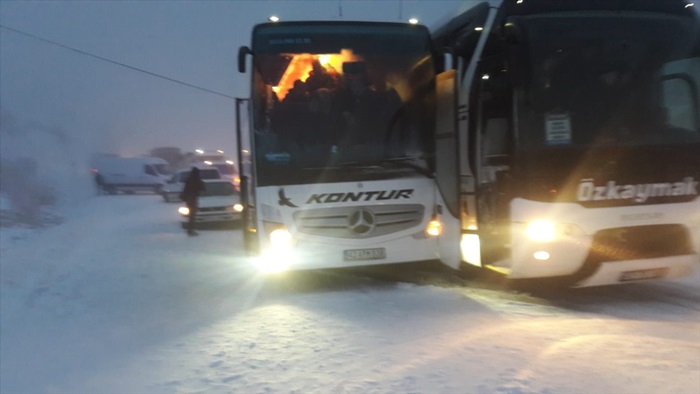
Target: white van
x=132, y=174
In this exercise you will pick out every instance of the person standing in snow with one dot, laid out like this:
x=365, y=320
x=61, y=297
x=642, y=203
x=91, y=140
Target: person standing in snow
x=100, y=183
x=194, y=185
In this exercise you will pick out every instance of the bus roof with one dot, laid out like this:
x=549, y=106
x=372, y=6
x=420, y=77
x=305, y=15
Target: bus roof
x=331, y=23
x=528, y=7
x=459, y=28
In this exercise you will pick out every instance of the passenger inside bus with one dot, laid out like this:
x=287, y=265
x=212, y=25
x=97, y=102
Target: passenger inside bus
x=328, y=109
x=321, y=78
x=289, y=118
x=367, y=108
x=303, y=118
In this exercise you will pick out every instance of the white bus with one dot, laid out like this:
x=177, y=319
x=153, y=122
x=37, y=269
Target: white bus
x=338, y=161
x=569, y=139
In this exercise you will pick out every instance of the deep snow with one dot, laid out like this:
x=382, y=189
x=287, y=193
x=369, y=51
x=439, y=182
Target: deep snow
x=117, y=299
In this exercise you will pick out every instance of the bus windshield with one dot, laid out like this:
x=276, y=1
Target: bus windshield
x=328, y=97
x=601, y=79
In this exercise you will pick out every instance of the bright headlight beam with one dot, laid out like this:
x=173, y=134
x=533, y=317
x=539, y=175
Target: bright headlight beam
x=278, y=256
x=434, y=228
x=541, y=255
x=541, y=231
x=280, y=239
x=271, y=264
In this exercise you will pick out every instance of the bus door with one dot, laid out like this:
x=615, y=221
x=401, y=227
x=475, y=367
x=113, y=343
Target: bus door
x=447, y=168
x=493, y=133
x=464, y=38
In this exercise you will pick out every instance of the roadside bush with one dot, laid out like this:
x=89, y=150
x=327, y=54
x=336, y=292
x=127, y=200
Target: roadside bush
x=28, y=197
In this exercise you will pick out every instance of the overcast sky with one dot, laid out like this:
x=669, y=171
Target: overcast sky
x=119, y=110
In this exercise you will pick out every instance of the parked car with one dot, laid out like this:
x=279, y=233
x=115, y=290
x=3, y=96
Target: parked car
x=174, y=186
x=227, y=170
x=218, y=203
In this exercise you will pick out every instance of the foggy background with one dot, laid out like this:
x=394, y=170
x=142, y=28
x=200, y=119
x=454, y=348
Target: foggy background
x=60, y=103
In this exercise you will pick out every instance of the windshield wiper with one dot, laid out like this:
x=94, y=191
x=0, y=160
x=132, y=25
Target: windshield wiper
x=394, y=162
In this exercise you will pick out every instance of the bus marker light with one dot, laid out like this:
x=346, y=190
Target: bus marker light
x=434, y=228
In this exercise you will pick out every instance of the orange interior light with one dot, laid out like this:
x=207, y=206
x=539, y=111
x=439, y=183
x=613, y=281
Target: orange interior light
x=300, y=67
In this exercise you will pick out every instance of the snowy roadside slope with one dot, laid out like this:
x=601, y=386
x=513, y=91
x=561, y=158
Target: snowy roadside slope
x=112, y=278
x=118, y=300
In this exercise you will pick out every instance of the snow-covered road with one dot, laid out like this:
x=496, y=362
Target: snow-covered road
x=119, y=300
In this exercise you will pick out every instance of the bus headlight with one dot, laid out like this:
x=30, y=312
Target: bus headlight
x=279, y=255
x=238, y=207
x=280, y=239
x=184, y=211
x=541, y=231
x=434, y=228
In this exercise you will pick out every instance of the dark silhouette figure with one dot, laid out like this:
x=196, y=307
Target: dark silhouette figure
x=367, y=108
x=100, y=182
x=291, y=117
x=319, y=78
x=299, y=92
x=194, y=185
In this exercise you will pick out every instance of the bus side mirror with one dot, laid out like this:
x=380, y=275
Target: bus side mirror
x=242, y=53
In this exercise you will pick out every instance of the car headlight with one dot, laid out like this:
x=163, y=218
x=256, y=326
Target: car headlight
x=238, y=207
x=184, y=211
x=541, y=231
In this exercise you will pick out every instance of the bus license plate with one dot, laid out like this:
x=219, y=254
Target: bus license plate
x=643, y=274
x=364, y=254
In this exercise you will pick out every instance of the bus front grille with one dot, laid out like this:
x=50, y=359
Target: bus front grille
x=640, y=242
x=213, y=209
x=359, y=221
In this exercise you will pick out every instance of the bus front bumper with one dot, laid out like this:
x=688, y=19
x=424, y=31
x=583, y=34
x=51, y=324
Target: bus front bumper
x=316, y=255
